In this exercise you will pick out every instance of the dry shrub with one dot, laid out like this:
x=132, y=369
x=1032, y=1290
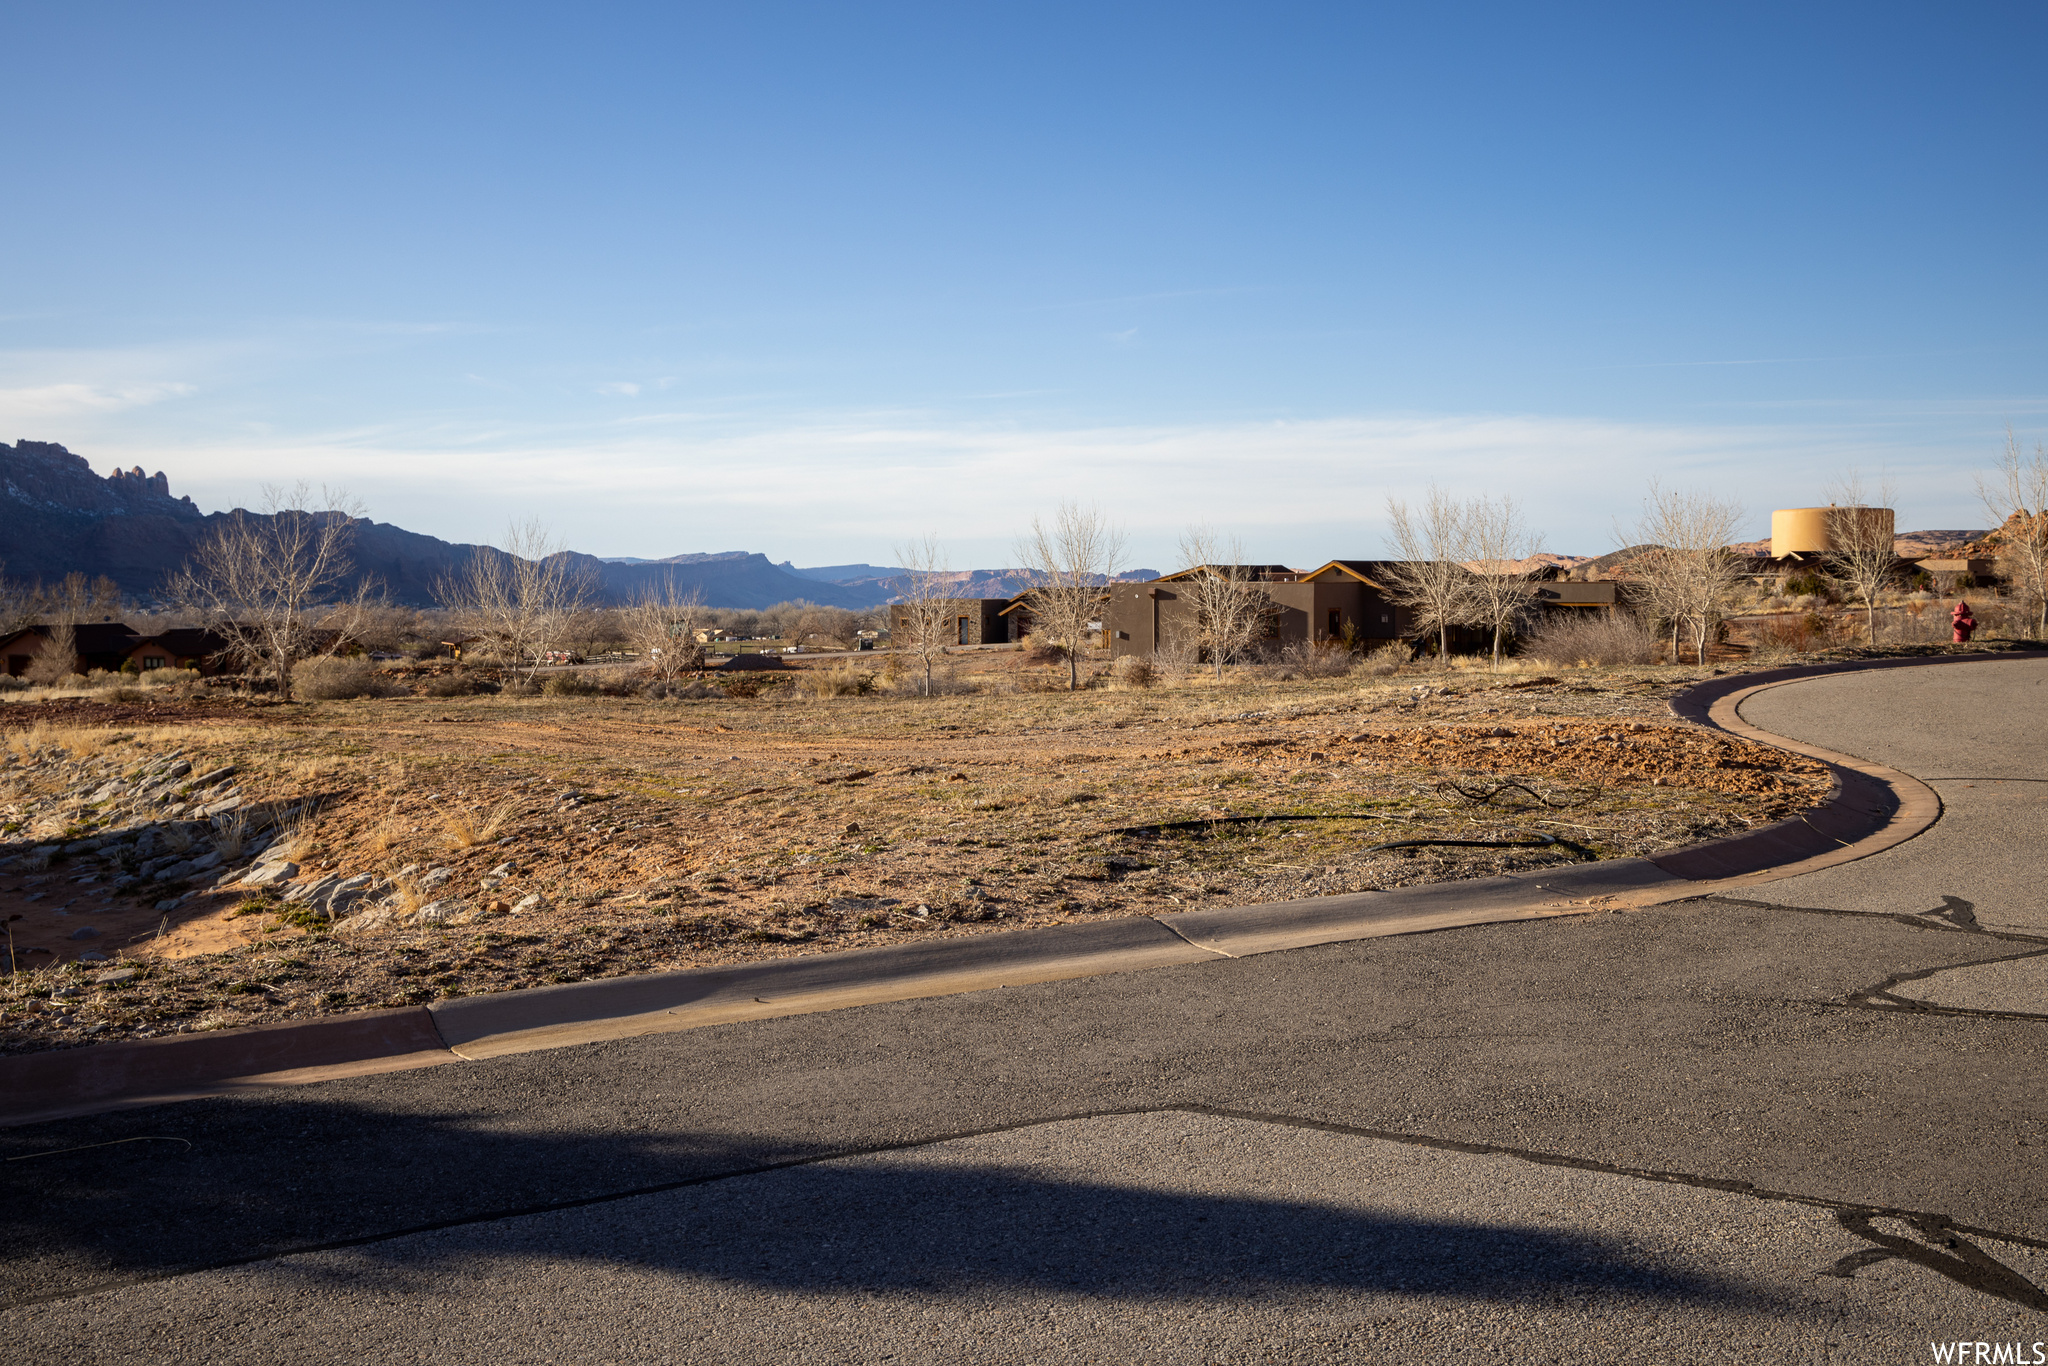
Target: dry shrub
x=1134, y=671
x=1177, y=657
x=51, y=666
x=840, y=681
x=1381, y=663
x=1310, y=659
x=570, y=685
x=1595, y=638
x=944, y=684
x=1796, y=635
x=450, y=685
x=1044, y=652
x=329, y=678
x=168, y=678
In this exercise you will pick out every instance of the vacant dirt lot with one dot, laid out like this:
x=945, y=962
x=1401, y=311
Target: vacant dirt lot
x=667, y=834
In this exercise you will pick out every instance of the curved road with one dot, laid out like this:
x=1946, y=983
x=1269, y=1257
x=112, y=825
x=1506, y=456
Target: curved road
x=1807, y=1124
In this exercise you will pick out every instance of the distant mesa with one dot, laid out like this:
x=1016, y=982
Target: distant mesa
x=63, y=518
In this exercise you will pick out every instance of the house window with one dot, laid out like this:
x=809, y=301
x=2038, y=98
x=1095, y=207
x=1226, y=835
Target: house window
x=155, y=662
x=963, y=632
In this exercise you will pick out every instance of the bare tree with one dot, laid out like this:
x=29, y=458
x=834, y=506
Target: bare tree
x=264, y=579
x=1231, y=609
x=921, y=623
x=21, y=604
x=79, y=600
x=1685, y=570
x=1497, y=547
x=523, y=599
x=662, y=628
x=1425, y=576
x=1071, y=561
x=1860, y=544
x=2016, y=496
x=57, y=659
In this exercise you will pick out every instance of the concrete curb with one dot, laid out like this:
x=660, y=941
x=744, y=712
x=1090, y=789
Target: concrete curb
x=1872, y=809
x=78, y=1081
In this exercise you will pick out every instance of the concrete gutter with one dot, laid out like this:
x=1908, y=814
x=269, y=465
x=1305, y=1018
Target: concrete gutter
x=1873, y=808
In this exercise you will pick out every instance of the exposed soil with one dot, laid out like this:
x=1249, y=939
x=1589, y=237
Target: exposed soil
x=672, y=834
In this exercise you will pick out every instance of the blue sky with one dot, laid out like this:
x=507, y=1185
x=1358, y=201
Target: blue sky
x=813, y=280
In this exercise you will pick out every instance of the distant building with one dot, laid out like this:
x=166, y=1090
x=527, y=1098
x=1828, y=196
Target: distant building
x=96, y=645
x=205, y=652
x=1344, y=598
x=976, y=621
x=1307, y=605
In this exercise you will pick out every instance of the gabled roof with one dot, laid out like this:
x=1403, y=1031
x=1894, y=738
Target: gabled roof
x=1371, y=573
x=1268, y=573
x=186, y=642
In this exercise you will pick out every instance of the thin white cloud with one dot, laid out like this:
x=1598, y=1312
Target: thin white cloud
x=43, y=401
x=1294, y=490
x=623, y=388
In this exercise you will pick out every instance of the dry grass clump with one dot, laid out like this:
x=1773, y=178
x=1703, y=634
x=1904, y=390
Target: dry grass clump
x=842, y=680
x=1383, y=662
x=231, y=834
x=1599, y=639
x=467, y=828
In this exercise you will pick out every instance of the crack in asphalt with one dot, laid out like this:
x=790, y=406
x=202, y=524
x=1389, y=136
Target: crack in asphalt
x=1969, y=1265
x=1953, y=916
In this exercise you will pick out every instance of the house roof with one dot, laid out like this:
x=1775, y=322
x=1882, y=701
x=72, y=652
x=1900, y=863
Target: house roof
x=92, y=637
x=1371, y=573
x=1270, y=573
x=187, y=642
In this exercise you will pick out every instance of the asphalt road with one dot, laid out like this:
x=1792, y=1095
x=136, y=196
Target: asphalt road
x=1707, y=1131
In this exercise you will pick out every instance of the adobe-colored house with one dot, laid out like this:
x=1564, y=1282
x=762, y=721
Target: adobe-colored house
x=1568, y=595
x=185, y=648
x=1342, y=597
x=976, y=621
x=97, y=645
x=1310, y=605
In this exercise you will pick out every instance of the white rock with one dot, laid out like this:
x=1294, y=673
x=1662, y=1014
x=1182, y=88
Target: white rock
x=532, y=901
x=439, y=912
x=434, y=877
x=363, y=920
x=269, y=874
x=314, y=890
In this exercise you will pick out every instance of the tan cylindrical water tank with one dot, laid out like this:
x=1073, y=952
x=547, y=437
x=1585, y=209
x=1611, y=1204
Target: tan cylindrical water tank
x=1816, y=531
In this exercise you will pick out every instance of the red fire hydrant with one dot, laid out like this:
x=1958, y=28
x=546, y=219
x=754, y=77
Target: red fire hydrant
x=1964, y=623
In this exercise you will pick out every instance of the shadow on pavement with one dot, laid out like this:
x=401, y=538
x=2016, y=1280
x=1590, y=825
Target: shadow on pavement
x=270, y=1179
